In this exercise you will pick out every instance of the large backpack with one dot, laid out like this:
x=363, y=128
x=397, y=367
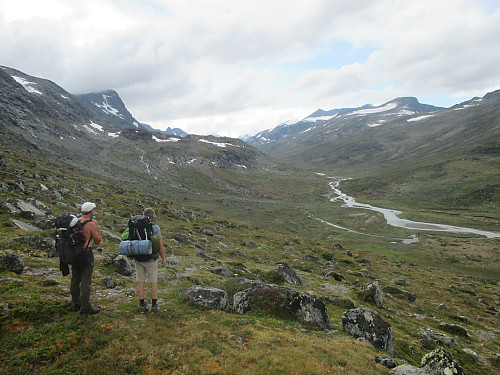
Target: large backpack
x=70, y=239
x=140, y=228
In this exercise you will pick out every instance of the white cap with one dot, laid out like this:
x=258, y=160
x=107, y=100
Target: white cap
x=88, y=206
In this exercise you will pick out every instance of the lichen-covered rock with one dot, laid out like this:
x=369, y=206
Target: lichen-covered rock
x=374, y=293
x=429, y=338
x=440, y=362
x=12, y=262
x=289, y=274
x=454, y=329
x=206, y=297
x=122, y=265
x=367, y=324
x=282, y=301
x=385, y=361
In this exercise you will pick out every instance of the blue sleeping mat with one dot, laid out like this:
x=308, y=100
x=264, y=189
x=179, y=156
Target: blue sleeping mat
x=136, y=247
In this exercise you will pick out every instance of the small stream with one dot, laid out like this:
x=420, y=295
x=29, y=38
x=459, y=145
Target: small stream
x=391, y=216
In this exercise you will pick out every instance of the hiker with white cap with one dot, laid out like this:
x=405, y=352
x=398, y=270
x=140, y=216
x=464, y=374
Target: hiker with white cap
x=81, y=274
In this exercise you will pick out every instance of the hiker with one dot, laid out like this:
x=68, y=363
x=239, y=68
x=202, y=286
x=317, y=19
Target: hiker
x=150, y=266
x=81, y=274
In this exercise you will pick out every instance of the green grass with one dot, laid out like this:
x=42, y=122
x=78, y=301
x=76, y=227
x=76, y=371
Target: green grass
x=41, y=335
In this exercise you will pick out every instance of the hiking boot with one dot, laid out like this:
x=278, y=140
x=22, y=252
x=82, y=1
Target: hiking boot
x=90, y=311
x=155, y=308
x=143, y=309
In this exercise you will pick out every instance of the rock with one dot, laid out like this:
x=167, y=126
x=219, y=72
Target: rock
x=373, y=293
x=441, y=362
x=442, y=306
x=282, y=300
x=400, y=281
x=30, y=207
x=408, y=370
x=180, y=237
x=368, y=324
x=209, y=298
x=108, y=282
x=25, y=226
x=454, y=329
x=222, y=270
x=41, y=243
x=288, y=273
x=110, y=236
x=337, y=246
x=122, y=265
x=337, y=276
x=12, y=263
x=250, y=244
x=385, y=361
x=410, y=297
x=341, y=302
x=312, y=258
x=429, y=338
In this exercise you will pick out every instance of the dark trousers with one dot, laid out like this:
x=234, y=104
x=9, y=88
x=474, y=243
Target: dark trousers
x=81, y=278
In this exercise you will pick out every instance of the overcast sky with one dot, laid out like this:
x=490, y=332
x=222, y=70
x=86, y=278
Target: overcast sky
x=232, y=67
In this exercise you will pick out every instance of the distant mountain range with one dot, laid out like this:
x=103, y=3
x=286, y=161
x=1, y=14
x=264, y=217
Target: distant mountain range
x=448, y=154
x=378, y=115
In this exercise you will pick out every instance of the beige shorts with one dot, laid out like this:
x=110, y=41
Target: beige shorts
x=151, y=268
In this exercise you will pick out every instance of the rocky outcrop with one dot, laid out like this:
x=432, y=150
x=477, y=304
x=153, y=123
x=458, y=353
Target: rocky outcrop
x=286, y=271
x=282, y=301
x=429, y=338
x=437, y=362
x=12, y=263
x=368, y=325
x=40, y=243
x=206, y=297
x=373, y=293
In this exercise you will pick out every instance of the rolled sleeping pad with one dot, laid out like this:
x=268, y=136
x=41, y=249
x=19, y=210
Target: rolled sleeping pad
x=136, y=247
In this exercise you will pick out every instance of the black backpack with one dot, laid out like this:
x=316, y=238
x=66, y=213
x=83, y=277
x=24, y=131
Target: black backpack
x=140, y=228
x=70, y=239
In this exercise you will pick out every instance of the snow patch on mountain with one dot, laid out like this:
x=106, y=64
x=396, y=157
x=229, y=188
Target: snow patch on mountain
x=419, y=118
x=108, y=109
x=370, y=111
x=217, y=143
x=27, y=85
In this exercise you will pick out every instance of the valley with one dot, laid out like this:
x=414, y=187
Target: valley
x=232, y=217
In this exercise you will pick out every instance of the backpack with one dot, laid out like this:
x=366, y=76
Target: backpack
x=140, y=228
x=70, y=239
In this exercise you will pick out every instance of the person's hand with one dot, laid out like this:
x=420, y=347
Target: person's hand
x=163, y=263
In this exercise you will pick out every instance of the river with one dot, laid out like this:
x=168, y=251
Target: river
x=391, y=216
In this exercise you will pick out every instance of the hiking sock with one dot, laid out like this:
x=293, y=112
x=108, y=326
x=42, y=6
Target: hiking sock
x=142, y=303
x=154, y=302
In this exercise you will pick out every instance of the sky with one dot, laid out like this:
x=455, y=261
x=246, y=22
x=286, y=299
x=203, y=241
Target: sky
x=234, y=68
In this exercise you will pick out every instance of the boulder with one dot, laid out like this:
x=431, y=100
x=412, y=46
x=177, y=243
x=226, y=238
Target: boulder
x=222, y=270
x=337, y=276
x=288, y=273
x=373, y=293
x=454, y=329
x=440, y=362
x=430, y=338
x=122, y=265
x=206, y=297
x=367, y=324
x=12, y=263
x=396, y=292
x=283, y=301
x=24, y=226
x=400, y=281
x=385, y=361
x=408, y=370
x=40, y=243
x=106, y=234
x=108, y=282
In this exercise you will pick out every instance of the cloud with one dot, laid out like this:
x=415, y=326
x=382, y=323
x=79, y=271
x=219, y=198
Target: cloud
x=210, y=65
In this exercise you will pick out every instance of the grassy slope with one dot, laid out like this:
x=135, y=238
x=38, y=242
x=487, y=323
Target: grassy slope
x=41, y=335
